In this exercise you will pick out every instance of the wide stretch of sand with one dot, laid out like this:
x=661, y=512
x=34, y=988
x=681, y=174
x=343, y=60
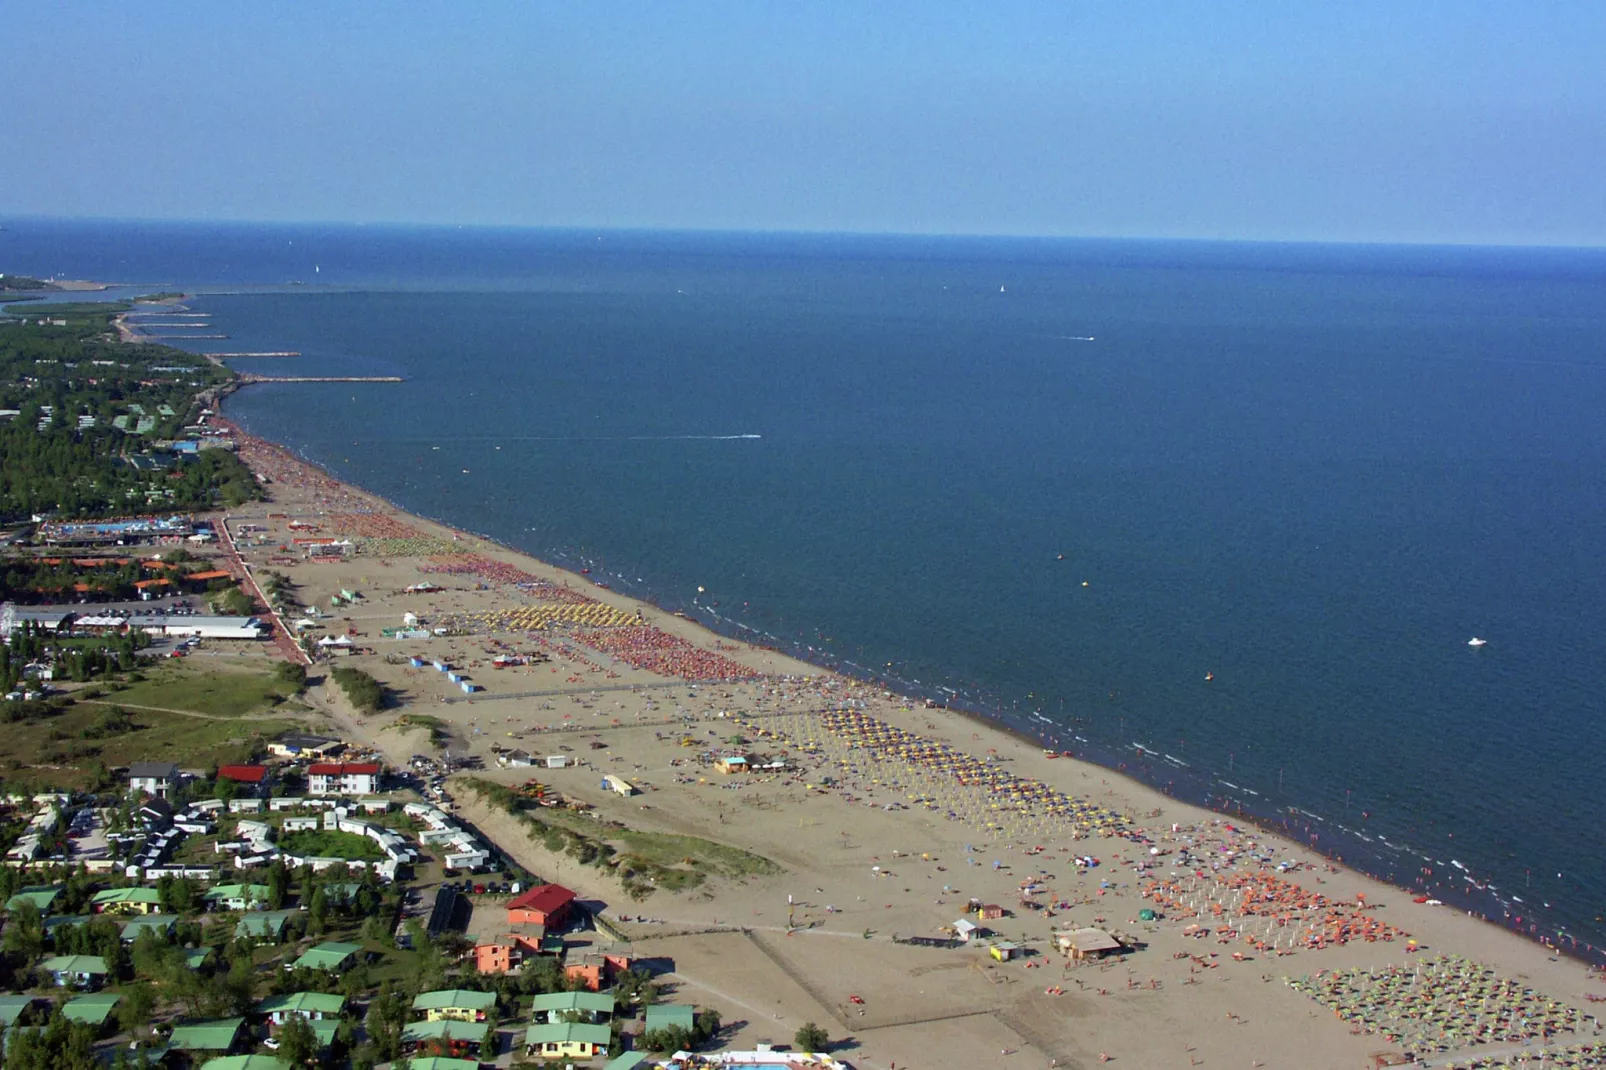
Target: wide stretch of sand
x=896, y=846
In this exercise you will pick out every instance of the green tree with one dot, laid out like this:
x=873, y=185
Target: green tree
x=540, y=975
x=636, y=986
x=811, y=1037
x=234, y=602
x=292, y=674
x=24, y=939
x=318, y=912
x=134, y=1009
x=59, y=1045
x=278, y=882
x=298, y=1044
x=670, y=1038
x=387, y=1015
x=236, y=993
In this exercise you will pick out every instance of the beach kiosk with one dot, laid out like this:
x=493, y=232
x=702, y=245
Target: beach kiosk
x=1087, y=943
x=1004, y=951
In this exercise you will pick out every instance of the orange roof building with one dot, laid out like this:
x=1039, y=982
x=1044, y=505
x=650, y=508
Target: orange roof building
x=545, y=904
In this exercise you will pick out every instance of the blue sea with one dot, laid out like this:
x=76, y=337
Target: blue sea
x=1223, y=515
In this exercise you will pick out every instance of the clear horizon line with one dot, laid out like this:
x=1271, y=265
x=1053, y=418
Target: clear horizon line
x=803, y=232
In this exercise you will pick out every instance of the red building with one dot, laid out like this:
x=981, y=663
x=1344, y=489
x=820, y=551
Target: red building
x=343, y=778
x=254, y=777
x=545, y=904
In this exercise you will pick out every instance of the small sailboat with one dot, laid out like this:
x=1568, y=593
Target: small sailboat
x=1475, y=641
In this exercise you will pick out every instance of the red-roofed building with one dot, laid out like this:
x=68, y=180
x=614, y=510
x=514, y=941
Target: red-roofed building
x=343, y=778
x=545, y=904
x=254, y=777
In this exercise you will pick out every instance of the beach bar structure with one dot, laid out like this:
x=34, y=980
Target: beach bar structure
x=1087, y=943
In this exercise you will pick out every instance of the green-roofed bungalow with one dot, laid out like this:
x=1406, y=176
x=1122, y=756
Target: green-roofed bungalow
x=313, y=1005
x=442, y=1062
x=459, y=1037
x=455, y=1004
x=266, y=927
x=42, y=896
x=237, y=897
x=597, y=1004
x=324, y=1029
x=198, y=958
x=330, y=955
x=160, y=924
x=11, y=1008
x=217, y=1034
x=126, y=901
x=341, y=891
x=76, y=971
x=670, y=1015
x=93, y=1009
x=245, y=1062
x=628, y=1061
x=54, y=922
x=566, y=1040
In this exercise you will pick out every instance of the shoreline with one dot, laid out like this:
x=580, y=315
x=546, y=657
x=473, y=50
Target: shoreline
x=1196, y=793
x=713, y=930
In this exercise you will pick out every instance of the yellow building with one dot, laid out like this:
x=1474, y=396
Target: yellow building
x=567, y=1040
x=126, y=901
x=454, y=1005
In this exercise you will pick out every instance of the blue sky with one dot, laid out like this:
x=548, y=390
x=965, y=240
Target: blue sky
x=1357, y=121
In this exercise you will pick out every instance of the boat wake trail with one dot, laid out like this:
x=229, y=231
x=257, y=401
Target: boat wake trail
x=467, y=439
x=688, y=438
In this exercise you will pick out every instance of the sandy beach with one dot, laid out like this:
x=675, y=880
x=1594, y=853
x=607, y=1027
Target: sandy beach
x=885, y=821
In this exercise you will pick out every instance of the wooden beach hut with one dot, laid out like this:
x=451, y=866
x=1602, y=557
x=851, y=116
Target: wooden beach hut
x=1087, y=943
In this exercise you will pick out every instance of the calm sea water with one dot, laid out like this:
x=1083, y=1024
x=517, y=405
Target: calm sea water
x=1061, y=482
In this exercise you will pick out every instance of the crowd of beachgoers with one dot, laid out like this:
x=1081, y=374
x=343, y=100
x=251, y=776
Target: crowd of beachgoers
x=277, y=465
x=1439, y=1004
